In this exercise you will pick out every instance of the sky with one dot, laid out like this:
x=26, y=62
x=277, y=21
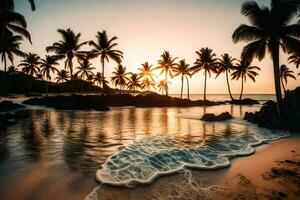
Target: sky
x=146, y=28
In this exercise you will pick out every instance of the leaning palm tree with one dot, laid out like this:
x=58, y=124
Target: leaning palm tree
x=134, y=82
x=47, y=66
x=9, y=46
x=119, y=77
x=162, y=86
x=68, y=47
x=242, y=70
x=183, y=69
x=30, y=66
x=225, y=65
x=285, y=73
x=295, y=59
x=270, y=29
x=104, y=48
x=165, y=64
x=146, y=71
x=62, y=76
x=206, y=61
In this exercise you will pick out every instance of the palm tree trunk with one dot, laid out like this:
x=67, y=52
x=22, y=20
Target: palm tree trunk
x=47, y=87
x=70, y=63
x=205, y=74
x=242, y=88
x=188, y=87
x=102, y=83
x=282, y=83
x=167, y=88
x=4, y=58
x=228, y=85
x=275, y=56
x=181, y=86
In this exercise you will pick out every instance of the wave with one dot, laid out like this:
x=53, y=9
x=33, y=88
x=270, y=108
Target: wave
x=145, y=160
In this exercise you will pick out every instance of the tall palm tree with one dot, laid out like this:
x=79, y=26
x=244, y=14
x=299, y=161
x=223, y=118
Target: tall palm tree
x=119, y=77
x=30, y=66
x=104, y=48
x=11, y=21
x=162, y=86
x=285, y=73
x=62, y=76
x=84, y=69
x=47, y=66
x=242, y=70
x=206, y=61
x=165, y=64
x=270, y=29
x=183, y=69
x=146, y=72
x=68, y=47
x=225, y=65
x=134, y=82
x=9, y=46
x=295, y=59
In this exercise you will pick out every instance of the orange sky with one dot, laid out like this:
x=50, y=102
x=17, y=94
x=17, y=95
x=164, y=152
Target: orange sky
x=147, y=28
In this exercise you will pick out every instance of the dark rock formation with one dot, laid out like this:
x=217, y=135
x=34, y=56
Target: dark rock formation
x=212, y=117
x=6, y=106
x=244, y=102
x=268, y=115
x=8, y=119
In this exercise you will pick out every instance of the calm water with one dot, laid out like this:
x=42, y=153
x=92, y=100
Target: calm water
x=58, y=152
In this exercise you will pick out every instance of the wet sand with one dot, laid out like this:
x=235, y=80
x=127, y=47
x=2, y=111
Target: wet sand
x=273, y=172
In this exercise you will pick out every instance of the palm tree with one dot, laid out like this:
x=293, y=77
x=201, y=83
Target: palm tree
x=242, y=70
x=146, y=72
x=84, y=69
x=101, y=80
x=30, y=66
x=119, y=77
x=162, y=86
x=295, y=59
x=183, y=69
x=104, y=48
x=226, y=64
x=11, y=21
x=285, y=73
x=206, y=61
x=68, y=47
x=12, y=69
x=62, y=76
x=147, y=84
x=134, y=82
x=47, y=66
x=270, y=29
x=165, y=64
x=9, y=46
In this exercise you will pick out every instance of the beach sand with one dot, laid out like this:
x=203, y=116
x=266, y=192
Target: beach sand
x=273, y=172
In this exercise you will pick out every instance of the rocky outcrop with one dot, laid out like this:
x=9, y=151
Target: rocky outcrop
x=246, y=101
x=212, y=117
x=6, y=106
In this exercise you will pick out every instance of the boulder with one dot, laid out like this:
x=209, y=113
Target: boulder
x=246, y=101
x=212, y=117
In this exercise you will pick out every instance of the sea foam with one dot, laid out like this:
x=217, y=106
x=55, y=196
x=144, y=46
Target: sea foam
x=151, y=157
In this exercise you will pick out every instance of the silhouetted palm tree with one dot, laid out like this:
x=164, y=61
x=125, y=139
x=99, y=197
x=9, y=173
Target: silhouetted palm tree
x=62, y=76
x=148, y=84
x=295, y=59
x=146, y=72
x=47, y=66
x=30, y=66
x=119, y=77
x=68, y=47
x=104, y=48
x=206, y=61
x=12, y=70
x=162, y=86
x=242, y=70
x=285, y=73
x=99, y=79
x=226, y=64
x=9, y=46
x=165, y=64
x=84, y=69
x=134, y=82
x=182, y=69
x=270, y=29
x=11, y=21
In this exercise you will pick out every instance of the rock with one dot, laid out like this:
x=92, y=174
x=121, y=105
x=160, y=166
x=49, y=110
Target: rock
x=246, y=101
x=269, y=103
x=212, y=117
x=33, y=95
x=6, y=106
x=6, y=120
